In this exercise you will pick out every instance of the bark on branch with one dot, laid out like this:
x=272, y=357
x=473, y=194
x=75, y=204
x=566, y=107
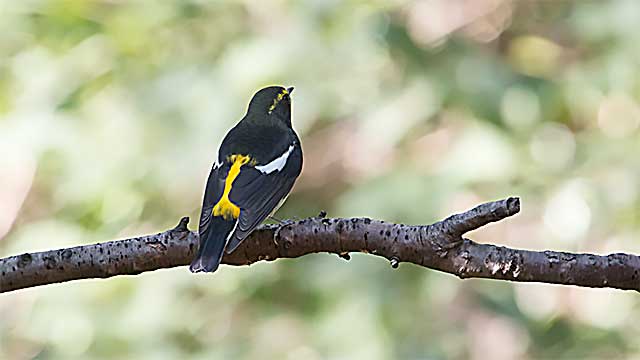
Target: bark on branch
x=439, y=246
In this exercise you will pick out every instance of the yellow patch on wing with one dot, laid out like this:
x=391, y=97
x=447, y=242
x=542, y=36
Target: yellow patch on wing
x=278, y=99
x=225, y=207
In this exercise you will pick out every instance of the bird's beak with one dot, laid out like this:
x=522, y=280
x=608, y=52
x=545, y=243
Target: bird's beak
x=290, y=90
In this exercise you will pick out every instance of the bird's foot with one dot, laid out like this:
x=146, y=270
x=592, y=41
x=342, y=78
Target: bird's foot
x=281, y=224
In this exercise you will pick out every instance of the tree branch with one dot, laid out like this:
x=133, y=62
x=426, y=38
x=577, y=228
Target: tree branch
x=439, y=246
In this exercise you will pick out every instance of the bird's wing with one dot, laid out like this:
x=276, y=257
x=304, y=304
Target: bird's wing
x=212, y=194
x=259, y=189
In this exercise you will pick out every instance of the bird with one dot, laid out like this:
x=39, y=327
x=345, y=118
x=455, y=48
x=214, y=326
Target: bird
x=257, y=164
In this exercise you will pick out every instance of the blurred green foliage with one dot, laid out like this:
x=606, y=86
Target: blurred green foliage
x=111, y=113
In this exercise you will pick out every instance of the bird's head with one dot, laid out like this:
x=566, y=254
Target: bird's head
x=272, y=101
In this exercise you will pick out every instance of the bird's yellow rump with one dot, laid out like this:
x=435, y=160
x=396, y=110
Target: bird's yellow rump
x=225, y=207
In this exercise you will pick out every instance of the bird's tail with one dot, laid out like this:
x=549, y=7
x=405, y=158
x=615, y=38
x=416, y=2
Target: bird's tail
x=212, y=246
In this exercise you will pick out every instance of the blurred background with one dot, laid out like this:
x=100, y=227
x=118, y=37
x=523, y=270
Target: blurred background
x=111, y=113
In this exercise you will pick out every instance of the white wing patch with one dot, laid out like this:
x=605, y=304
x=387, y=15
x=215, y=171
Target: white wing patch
x=217, y=164
x=276, y=164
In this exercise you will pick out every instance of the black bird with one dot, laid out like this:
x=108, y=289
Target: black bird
x=257, y=164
